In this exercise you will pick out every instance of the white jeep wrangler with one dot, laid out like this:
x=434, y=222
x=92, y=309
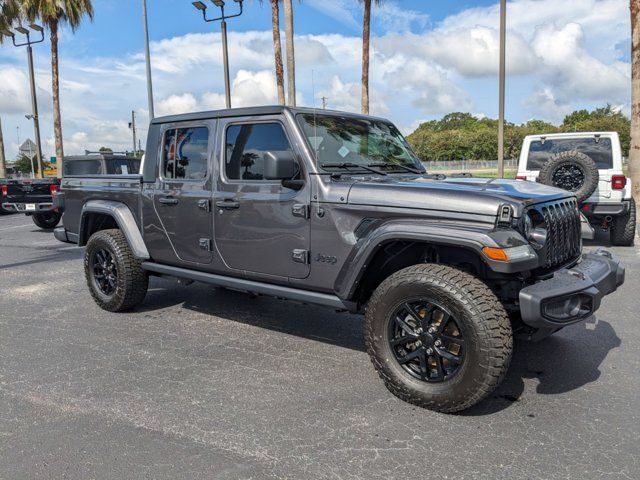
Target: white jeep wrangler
x=590, y=165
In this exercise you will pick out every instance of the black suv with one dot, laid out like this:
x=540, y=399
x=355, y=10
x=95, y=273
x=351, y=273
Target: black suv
x=334, y=209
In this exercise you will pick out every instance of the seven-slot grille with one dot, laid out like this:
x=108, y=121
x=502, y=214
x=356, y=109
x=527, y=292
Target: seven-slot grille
x=564, y=238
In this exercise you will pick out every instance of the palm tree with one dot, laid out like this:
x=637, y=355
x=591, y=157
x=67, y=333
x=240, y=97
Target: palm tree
x=277, y=49
x=366, y=31
x=52, y=13
x=291, y=60
x=634, y=151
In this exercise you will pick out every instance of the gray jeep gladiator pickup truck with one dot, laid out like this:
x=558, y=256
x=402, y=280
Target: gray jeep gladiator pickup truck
x=334, y=209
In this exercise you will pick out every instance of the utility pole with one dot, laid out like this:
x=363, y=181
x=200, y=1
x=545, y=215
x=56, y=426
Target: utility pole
x=324, y=102
x=501, y=101
x=132, y=126
x=291, y=58
x=147, y=59
x=3, y=160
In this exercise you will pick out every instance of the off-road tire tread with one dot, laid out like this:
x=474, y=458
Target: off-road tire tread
x=495, y=330
x=623, y=227
x=133, y=281
x=592, y=175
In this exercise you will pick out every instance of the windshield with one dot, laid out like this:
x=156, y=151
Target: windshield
x=356, y=141
x=599, y=151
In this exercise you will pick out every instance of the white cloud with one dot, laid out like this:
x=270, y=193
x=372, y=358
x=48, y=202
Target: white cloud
x=175, y=104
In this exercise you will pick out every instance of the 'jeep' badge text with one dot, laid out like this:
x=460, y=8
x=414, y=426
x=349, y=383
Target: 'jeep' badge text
x=326, y=259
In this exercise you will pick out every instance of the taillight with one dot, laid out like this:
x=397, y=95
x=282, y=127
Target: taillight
x=4, y=190
x=618, y=182
x=521, y=177
x=54, y=190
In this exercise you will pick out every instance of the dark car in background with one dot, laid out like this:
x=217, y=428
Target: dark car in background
x=34, y=196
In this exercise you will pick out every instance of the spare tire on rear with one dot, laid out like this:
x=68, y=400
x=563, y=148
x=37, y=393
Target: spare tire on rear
x=573, y=171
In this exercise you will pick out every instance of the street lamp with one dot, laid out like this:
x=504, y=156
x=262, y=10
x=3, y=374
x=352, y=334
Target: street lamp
x=501, y=88
x=32, y=81
x=223, y=26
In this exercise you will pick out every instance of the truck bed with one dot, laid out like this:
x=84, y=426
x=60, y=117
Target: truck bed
x=28, y=194
x=77, y=190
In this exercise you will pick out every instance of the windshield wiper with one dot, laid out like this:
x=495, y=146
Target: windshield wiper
x=348, y=165
x=390, y=164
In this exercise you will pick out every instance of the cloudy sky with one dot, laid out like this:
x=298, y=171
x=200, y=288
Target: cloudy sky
x=428, y=58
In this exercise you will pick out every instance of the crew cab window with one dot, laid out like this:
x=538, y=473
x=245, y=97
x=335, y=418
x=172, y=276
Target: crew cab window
x=246, y=145
x=185, y=153
x=81, y=167
x=598, y=149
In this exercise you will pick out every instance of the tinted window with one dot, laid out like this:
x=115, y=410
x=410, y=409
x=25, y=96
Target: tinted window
x=246, y=145
x=600, y=152
x=122, y=166
x=82, y=167
x=185, y=153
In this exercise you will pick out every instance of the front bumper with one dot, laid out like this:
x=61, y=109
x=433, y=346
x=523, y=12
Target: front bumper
x=572, y=294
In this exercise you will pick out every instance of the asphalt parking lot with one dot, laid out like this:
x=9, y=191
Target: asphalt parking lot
x=207, y=383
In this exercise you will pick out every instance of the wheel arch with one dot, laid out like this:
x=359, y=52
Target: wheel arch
x=397, y=245
x=105, y=214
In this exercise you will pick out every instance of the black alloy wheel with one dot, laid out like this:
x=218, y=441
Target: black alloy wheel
x=426, y=340
x=104, y=271
x=569, y=177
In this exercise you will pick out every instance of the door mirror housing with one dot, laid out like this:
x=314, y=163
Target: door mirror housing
x=279, y=165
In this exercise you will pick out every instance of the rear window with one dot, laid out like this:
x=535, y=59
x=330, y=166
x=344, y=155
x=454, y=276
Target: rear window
x=600, y=151
x=185, y=153
x=81, y=167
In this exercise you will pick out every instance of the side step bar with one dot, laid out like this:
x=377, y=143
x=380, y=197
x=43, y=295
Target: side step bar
x=279, y=291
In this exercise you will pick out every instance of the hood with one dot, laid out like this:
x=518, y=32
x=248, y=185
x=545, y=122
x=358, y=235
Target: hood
x=470, y=195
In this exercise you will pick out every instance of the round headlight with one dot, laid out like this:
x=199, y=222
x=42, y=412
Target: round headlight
x=535, y=229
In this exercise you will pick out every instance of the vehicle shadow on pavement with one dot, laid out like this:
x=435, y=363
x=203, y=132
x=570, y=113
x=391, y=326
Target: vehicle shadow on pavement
x=561, y=363
x=305, y=321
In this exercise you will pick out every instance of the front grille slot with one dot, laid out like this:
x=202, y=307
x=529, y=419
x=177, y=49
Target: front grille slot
x=564, y=239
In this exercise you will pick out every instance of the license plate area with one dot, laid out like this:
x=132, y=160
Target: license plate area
x=30, y=207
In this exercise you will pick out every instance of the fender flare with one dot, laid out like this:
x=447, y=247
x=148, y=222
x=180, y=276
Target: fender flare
x=125, y=220
x=472, y=238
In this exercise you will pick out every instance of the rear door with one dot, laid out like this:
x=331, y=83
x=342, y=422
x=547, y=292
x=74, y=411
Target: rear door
x=182, y=194
x=261, y=226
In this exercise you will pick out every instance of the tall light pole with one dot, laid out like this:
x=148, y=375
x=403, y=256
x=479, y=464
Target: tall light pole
x=147, y=59
x=132, y=126
x=501, y=101
x=223, y=27
x=32, y=81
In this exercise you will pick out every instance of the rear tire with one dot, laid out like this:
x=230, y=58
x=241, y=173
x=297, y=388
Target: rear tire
x=114, y=276
x=46, y=220
x=623, y=227
x=438, y=380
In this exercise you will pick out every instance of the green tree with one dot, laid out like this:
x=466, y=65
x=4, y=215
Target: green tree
x=605, y=119
x=23, y=165
x=53, y=13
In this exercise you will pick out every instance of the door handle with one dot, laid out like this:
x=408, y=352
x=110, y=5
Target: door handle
x=168, y=200
x=228, y=204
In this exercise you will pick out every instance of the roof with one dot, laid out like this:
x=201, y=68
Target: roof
x=98, y=156
x=250, y=111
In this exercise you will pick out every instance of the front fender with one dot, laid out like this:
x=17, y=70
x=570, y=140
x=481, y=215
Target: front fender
x=469, y=237
x=123, y=217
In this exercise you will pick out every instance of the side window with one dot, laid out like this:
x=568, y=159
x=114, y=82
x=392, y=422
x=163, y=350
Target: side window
x=82, y=167
x=185, y=153
x=246, y=145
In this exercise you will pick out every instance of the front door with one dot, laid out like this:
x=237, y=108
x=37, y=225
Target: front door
x=260, y=226
x=182, y=197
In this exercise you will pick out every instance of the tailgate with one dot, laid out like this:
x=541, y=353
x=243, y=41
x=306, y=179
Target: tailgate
x=29, y=191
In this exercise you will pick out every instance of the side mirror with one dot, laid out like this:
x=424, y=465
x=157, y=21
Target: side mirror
x=279, y=165
x=282, y=166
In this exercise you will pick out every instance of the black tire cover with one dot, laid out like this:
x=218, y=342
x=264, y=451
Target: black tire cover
x=573, y=171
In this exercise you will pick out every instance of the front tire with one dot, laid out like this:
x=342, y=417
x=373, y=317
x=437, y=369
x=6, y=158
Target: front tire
x=114, y=276
x=46, y=220
x=438, y=337
x=623, y=227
